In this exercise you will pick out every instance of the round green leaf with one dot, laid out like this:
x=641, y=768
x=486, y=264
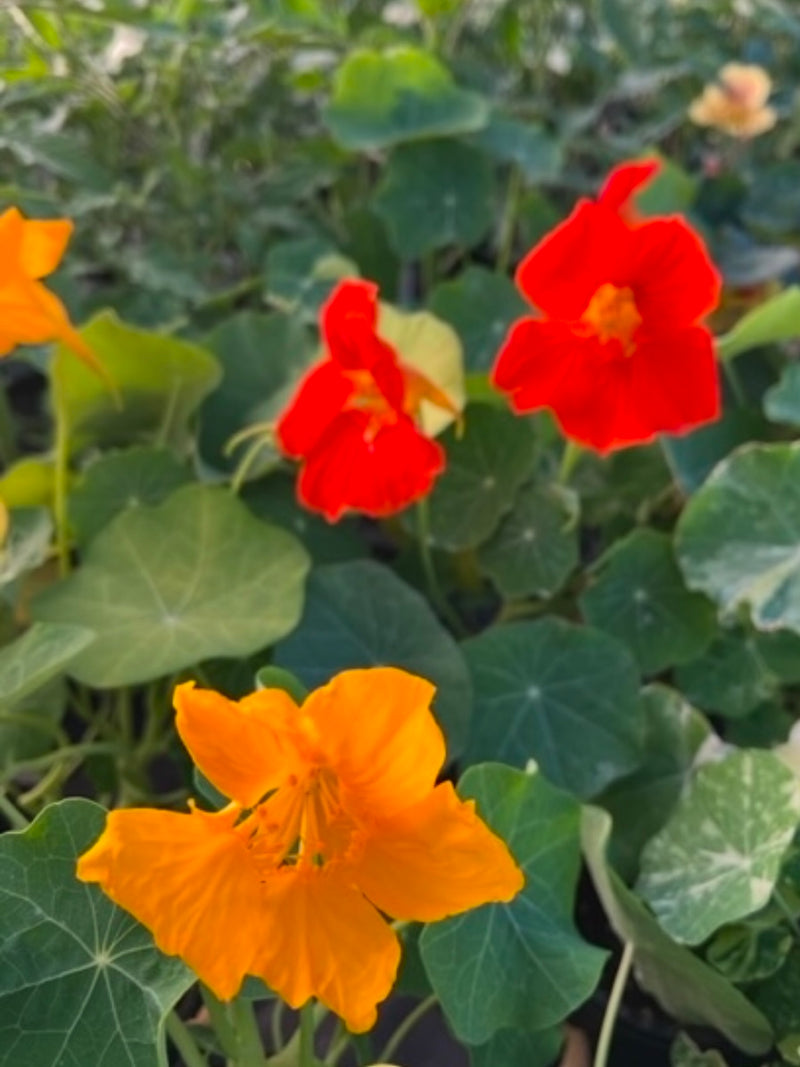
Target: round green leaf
x=360, y=615
x=535, y=151
x=260, y=355
x=694, y=455
x=127, y=479
x=779, y=998
x=641, y=802
x=517, y=1048
x=487, y=462
x=166, y=587
x=684, y=986
x=731, y=677
x=301, y=273
x=523, y=964
x=36, y=657
x=433, y=194
x=382, y=98
x=81, y=982
x=480, y=306
x=563, y=695
x=718, y=857
x=535, y=548
x=782, y=400
x=27, y=543
x=638, y=596
x=160, y=382
x=737, y=540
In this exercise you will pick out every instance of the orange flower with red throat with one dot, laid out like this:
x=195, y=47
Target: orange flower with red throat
x=360, y=419
x=335, y=817
x=619, y=352
x=29, y=312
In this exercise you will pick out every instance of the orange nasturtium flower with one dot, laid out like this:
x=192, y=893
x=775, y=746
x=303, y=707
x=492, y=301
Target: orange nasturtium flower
x=737, y=102
x=335, y=817
x=29, y=312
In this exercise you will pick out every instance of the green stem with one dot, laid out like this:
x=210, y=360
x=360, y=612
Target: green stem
x=308, y=1028
x=16, y=819
x=60, y=484
x=79, y=751
x=220, y=1022
x=569, y=458
x=789, y=915
x=440, y=601
x=508, y=223
x=408, y=1024
x=181, y=1037
x=338, y=1043
x=250, y=1048
x=612, y=1007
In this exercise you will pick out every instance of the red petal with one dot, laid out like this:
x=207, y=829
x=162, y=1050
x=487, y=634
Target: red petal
x=623, y=182
x=675, y=380
x=567, y=267
x=348, y=319
x=320, y=397
x=672, y=276
x=377, y=475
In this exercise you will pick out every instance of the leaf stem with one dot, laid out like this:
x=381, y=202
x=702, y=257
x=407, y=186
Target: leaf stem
x=440, y=601
x=505, y=237
x=60, y=481
x=181, y=1037
x=405, y=1027
x=569, y=458
x=612, y=1007
x=220, y=1023
x=307, y=1030
x=250, y=1048
x=15, y=818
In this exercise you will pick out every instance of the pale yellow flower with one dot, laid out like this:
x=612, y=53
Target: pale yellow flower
x=737, y=102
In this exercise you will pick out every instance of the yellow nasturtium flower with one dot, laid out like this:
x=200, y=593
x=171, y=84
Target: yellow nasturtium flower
x=29, y=312
x=335, y=817
x=737, y=102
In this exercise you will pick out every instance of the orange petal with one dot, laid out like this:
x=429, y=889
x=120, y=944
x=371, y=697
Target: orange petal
x=434, y=860
x=43, y=245
x=242, y=747
x=190, y=880
x=327, y=941
x=375, y=729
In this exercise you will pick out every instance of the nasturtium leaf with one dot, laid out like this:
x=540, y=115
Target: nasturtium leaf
x=27, y=542
x=563, y=695
x=731, y=677
x=641, y=802
x=536, y=152
x=780, y=653
x=718, y=857
x=302, y=271
x=535, y=548
x=160, y=382
x=777, y=319
x=260, y=355
x=382, y=98
x=753, y=949
x=487, y=462
x=737, y=540
x=81, y=982
x=684, y=1053
x=429, y=345
x=779, y=998
x=360, y=614
x=782, y=400
x=433, y=194
x=274, y=499
x=519, y=1048
x=521, y=965
x=165, y=587
x=480, y=305
x=684, y=986
x=39, y=655
x=694, y=455
x=137, y=476
x=638, y=595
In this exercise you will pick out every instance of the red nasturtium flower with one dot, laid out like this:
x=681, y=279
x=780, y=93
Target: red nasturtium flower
x=334, y=817
x=30, y=313
x=619, y=353
x=356, y=419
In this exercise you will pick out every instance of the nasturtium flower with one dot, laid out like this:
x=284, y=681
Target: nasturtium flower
x=335, y=817
x=29, y=313
x=737, y=102
x=618, y=350
x=360, y=420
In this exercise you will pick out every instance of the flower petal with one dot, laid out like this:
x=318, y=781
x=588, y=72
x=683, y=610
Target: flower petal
x=327, y=941
x=589, y=249
x=375, y=729
x=189, y=879
x=673, y=279
x=374, y=470
x=624, y=181
x=43, y=245
x=675, y=380
x=347, y=321
x=242, y=747
x=436, y=859
x=320, y=397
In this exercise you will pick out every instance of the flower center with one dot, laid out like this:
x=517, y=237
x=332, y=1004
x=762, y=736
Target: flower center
x=612, y=315
x=301, y=824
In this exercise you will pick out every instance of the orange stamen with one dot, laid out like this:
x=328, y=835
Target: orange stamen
x=612, y=315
